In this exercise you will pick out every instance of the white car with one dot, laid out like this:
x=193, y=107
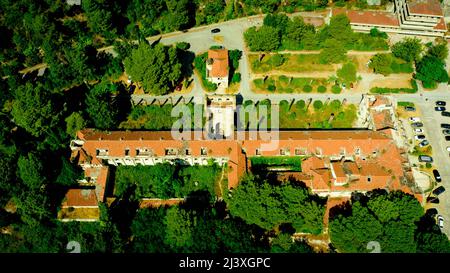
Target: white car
x=440, y=221
x=448, y=149
x=418, y=130
x=414, y=119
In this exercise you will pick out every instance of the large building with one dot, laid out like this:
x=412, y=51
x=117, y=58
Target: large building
x=335, y=163
x=414, y=17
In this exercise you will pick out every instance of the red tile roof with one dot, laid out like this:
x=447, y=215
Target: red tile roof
x=377, y=18
x=80, y=198
x=220, y=62
x=425, y=7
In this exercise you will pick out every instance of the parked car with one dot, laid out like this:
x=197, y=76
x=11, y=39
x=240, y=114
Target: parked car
x=410, y=108
x=441, y=103
x=425, y=158
x=417, y=124
x=215, y=30
x=437, y=175
x=414, y=119
x=445, y=114
x=431, y=212
x=418, y=130
x=419, y=137
x=447, y=138
x=439, y=108
x=445, y=125
x=424, y=143
x=448, y=148
x=446, y=132
x=433, y=200
x=439, y=190
x=440, y=221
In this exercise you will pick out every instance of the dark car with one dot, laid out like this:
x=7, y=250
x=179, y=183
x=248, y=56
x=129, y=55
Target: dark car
x=424, y=143
x=438, y=190
x=215, y=30
x=445, y=114
x=447, y=138
x=425, y=158
x=439, y=108
x=446, y=132
x=445, y=125
x=433, y=200
x=441, y=103
x=410, y=108
x=437, y=176
x=431, y=212
x=417, y=124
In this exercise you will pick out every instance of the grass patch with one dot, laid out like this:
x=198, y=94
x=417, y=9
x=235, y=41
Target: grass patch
x=291, y=63
x=291, y=162
x=379, y=90
x=155, y=117
x=283, y=84
x=405, y=104
x=166, y=180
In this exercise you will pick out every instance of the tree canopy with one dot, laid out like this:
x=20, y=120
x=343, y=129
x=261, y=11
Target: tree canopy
x=157, y=68
x=265, y=38
x=408, y=49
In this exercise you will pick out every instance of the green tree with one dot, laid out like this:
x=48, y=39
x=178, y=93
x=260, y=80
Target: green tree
x=100, y=106
x=347, y=74
x=31, y=171
x=278, y=21
x=381, y=64
x=333, y=51
x=408, y=49
x=74, y=123
x=433, y=242
x=158, y=68
x=264, y=38
x=148, y=231
x=297, y=29
x=179, y=227
x=69, y=173
x=439, y=51
x=431, y=70
x=34, y=110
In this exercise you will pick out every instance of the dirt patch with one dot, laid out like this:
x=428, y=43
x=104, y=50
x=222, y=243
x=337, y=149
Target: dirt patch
x=361, y=62
x=399, y=81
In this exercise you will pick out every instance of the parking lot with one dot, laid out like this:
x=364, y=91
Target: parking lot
x=432, y=130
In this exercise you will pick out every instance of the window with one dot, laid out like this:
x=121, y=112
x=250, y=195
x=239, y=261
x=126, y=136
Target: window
x=318, y=151
x=258, y=152
x=357, y=151
x=143, y=151
x=342, y=152
x=127, y=151
x=102, y=152
x=170, y=151
x=282, y=152
x=369, y=179
x=188, y=151
x=203, y=151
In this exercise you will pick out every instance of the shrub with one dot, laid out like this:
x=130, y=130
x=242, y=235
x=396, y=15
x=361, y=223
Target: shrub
x=271, y=88
x=428, y=165
x=307, y=88
x=318, y=105
x=300, y=104
x=236, y=78
x=322, y=89
x=336, y=89
x=277, y=60
x=183, y=45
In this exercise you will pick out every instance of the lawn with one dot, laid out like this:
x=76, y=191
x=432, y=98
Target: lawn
x=316, y=115
x=283, y=84
x=289, y=63
x=291, y=162
x=166, y=180
x=154, y=117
